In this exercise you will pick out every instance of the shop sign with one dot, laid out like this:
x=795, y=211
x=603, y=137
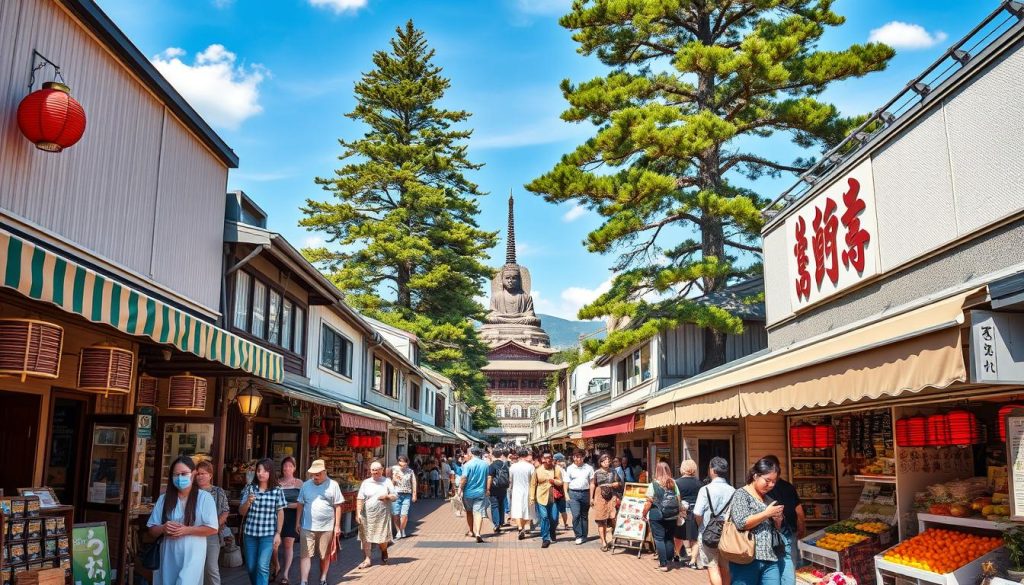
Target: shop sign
x=145, y=420
x=90, y=554
x=832, y=240
x=630, y=524
x=1014, y=440
x=997, y=347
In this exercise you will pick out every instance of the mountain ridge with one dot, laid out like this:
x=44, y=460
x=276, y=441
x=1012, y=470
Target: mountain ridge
x=566, y=333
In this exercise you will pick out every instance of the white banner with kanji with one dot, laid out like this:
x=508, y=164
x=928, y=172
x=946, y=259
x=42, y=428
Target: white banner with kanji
x=832, y=240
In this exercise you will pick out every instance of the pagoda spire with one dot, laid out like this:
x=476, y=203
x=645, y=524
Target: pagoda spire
x=510, y=244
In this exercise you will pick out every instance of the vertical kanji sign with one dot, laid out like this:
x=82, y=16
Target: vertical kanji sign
x=832, y=240
x=90, y=554
x=997, y=347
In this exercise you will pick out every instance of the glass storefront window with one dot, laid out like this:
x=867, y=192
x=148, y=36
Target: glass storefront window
x=184, y=438
x=107, y=464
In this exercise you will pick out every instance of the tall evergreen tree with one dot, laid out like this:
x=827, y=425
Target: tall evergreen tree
x=692, y=85
x=402, y=217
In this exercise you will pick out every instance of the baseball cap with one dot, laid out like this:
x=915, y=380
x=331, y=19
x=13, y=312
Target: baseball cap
x=559, y=457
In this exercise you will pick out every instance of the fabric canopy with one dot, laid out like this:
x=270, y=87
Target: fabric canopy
x=44, y=276
x=359, y=417
x=620, y=424
x=905, y=353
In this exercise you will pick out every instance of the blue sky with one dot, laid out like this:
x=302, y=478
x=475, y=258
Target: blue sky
x=274, y=78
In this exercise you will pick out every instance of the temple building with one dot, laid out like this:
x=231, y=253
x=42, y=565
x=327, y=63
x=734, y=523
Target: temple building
x=520, y=350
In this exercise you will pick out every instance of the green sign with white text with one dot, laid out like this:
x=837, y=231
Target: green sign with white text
x=90, y=554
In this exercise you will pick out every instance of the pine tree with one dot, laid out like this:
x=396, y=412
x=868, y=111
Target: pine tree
x=692, y=85
x=406, y=247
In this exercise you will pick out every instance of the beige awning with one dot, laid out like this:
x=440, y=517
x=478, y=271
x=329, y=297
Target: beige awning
x=905, y=353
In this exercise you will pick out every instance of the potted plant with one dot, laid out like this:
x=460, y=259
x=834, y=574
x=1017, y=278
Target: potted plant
x=1013, y=540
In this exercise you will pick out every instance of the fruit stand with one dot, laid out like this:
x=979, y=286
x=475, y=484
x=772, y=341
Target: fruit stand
x=939, y=555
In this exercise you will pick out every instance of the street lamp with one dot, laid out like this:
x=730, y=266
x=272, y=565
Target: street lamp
x=249, y=401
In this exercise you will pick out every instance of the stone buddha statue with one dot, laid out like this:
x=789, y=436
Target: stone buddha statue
x=511, y=316
x=512, y=305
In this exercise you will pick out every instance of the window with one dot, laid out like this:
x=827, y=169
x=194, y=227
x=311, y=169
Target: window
x=390, y=388
x=274, y=319
x=515, y=412
x=259, y=309
x=634, y=369
x=300, y=330
x=286, y=324
x=243, y=284
x=529, y=412
x=378, y=374
x=414, y=396
x=336, y=352
x=500, y=412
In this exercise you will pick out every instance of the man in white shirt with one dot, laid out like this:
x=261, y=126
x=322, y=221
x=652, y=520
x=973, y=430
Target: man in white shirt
x=519, y=474
x=319, y=517
x=580, y=482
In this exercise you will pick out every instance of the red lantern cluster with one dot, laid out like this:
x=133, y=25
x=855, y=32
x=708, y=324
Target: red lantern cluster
x=50, y=118
x=807, y=436
x=319, y=439
x=364, y=441
x=1003, y=413
x=957, y=427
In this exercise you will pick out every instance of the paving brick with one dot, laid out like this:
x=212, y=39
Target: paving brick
x=437, y=553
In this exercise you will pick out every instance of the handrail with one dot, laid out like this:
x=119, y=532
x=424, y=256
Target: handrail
x=915, y=92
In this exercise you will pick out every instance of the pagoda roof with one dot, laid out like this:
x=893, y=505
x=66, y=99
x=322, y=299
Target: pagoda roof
x=536, y=349
x=522, y=366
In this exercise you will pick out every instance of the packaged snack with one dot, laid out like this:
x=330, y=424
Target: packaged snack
x=35, y=566
x=49, y=548
x=5, y=506
x=50, y=525
x=17, y=553
x=17, y=508
x=32, y=506
x=63, y=548
x=34, y=529
x=8, y=577
x=33, y=550
x=16, y=530
x=60, y=529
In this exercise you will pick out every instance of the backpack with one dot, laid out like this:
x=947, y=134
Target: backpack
x=667, y=502
x=712, y=534
x=500, y=480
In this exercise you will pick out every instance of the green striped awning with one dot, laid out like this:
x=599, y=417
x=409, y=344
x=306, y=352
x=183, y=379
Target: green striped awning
x=44, y=276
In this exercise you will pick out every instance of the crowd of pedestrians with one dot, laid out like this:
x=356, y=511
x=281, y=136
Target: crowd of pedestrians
x=512, y=488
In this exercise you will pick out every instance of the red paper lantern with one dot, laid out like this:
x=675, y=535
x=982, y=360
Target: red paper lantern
x=378, y=441
x=1003, y=413
x=964, y=428
x=351, y=441
x=824, y=436
x=314, y=439
x=903, y=431
x=801, y=436
x=917, y=431
x=937, y=434
x=325, y=438
x=50, y=118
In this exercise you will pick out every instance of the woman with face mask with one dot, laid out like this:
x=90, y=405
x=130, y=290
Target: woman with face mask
x=184, y=516
x=263, y=507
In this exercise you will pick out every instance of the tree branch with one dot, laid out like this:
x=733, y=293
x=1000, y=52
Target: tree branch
x=748, y=248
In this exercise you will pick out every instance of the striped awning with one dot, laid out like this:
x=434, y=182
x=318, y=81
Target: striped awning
x=42, y=275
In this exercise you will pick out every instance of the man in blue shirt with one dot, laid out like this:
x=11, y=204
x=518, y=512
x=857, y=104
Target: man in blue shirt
x=474, y=486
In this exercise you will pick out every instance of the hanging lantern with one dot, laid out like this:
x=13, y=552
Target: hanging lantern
x=352, y=441
x=148, y=391
x=50, y=118
x=30, y=348
x=187, y=392
x=378, y=441
x=325, y=438
x=105, y=369
x=314, y=439
x=963, y=428
x=1003, y=413
x=801, y=436
x=903, y=431
x=937, y=434
x=917, y=431
x=249, y=401
x=824, y=436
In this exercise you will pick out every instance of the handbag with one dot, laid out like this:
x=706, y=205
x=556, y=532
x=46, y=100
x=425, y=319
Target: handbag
x=735, y=545
x=151, y=554
x=230, y=556
x=557, y=492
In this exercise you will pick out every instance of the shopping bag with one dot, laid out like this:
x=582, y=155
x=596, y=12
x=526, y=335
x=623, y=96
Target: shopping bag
x=457, y=506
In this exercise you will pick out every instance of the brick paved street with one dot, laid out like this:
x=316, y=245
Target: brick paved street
x=439, y=554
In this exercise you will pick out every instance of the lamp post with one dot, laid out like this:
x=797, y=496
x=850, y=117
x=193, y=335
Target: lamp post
x=249, y=400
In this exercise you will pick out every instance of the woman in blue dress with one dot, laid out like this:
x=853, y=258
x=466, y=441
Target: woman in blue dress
x=184, y=515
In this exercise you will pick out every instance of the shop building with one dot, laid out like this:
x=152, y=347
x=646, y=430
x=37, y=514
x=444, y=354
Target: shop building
x=111, y=256
x=892, y=272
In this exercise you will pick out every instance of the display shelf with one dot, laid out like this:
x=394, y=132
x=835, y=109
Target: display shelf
x=875, y=478
x=923, y=520
x=889, y=573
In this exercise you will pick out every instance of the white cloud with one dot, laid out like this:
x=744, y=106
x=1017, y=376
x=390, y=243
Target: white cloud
x=905, y=35
x=545, y=7
x=575, y=212
x=340, y=6
x=225, y=94
x=313, y=242
x=569, y=301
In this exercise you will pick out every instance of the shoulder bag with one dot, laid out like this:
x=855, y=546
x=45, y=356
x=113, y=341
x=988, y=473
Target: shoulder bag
x=735, y=545
x=151, y=554
x=557, y=492
x=712, y=534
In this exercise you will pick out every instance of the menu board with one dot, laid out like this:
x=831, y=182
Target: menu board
x=630, y=523
x=1014, y=438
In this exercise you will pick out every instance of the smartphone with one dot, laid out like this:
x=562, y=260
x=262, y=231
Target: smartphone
x=769, y=502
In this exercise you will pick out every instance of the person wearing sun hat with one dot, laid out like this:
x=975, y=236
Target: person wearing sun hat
x=319, y=518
